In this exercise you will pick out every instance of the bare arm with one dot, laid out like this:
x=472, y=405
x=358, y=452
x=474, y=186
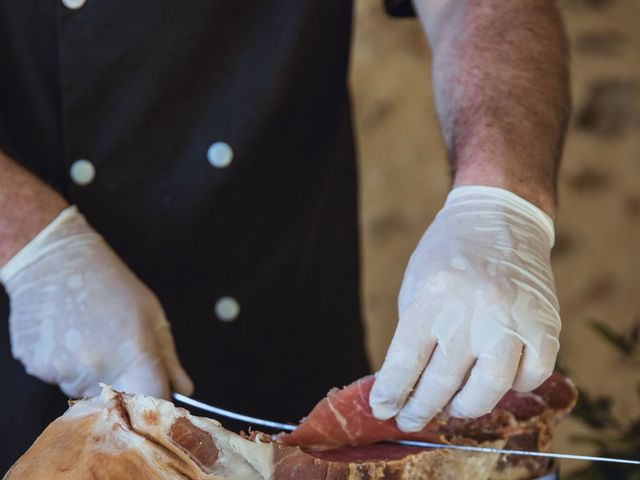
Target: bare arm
x=501, y=90
x=27, y=205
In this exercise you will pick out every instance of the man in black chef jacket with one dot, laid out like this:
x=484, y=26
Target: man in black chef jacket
x=194, y=161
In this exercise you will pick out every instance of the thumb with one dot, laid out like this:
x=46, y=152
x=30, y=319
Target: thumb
x=178, y=377
x=146, y=376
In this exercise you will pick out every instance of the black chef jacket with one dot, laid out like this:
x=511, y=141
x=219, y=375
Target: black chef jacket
x=140, y=90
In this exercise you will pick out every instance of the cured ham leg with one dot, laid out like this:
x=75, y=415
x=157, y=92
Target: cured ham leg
x=116, y=436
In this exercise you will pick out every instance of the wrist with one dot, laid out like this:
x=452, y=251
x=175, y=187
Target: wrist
x=17, y=235
x=27, y=205
x=496, y=200
x=542, y=194
x=41, y=242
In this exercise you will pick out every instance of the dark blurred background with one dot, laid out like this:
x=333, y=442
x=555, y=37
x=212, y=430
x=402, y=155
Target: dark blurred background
x=404, y=181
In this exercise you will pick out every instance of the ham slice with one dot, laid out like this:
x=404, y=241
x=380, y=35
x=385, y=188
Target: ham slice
x=523, y=420
x=344, y=417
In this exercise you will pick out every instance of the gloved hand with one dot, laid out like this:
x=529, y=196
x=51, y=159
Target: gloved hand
x=79, y=316
x=477, y=299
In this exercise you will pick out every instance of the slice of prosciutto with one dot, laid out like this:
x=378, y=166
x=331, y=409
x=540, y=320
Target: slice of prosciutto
x=344, y=418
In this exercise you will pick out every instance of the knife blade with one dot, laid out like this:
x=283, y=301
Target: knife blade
x=233, y=415
x=469, y=448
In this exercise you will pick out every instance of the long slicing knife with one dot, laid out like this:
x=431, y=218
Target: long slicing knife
x=285, y=426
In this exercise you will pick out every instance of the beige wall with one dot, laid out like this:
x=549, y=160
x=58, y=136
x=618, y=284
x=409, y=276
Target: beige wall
x=404, y=180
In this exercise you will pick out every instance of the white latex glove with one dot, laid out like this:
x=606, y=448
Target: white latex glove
x=79, y=316
x=477, y=300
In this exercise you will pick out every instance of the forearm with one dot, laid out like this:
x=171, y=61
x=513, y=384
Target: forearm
x=27, y=205
x=501, y=89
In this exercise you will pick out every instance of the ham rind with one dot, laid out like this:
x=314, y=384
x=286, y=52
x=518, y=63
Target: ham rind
x=344, y=418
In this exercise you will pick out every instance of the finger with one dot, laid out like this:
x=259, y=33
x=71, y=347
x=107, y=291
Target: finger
x=407, y=356
x=92, y=391
x=146, y=376
x=491, y=377
x=178, y=377
x=536, y=364
x=442, y=377
x=81, y=385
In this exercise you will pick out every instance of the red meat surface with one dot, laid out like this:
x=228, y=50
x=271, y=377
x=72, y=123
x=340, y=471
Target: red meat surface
x=344, y=417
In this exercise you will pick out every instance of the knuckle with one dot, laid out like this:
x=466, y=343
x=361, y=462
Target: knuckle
x=420, y=293
x=426, y=402
x=467, y=411
x=540, y=371
x=383, y=410
x=421, y=406
x=532, y=377
x=437, y=382
x=499, y=386
x=549, y=349
x=538, y=375
x=492, y=380
x=460, y=409
x=415, y=417
x=383, y=402
x=469, y=406
x=409, y=423
x=402, y=365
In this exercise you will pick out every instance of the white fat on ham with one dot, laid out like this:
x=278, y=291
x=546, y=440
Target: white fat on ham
x=237, y=458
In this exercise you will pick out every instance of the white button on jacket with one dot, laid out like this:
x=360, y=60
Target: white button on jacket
x=74, y=4
x=220, y=155
x=82, y=172
x=227, y=309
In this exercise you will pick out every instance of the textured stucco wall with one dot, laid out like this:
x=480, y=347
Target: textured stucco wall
x=404, y=180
